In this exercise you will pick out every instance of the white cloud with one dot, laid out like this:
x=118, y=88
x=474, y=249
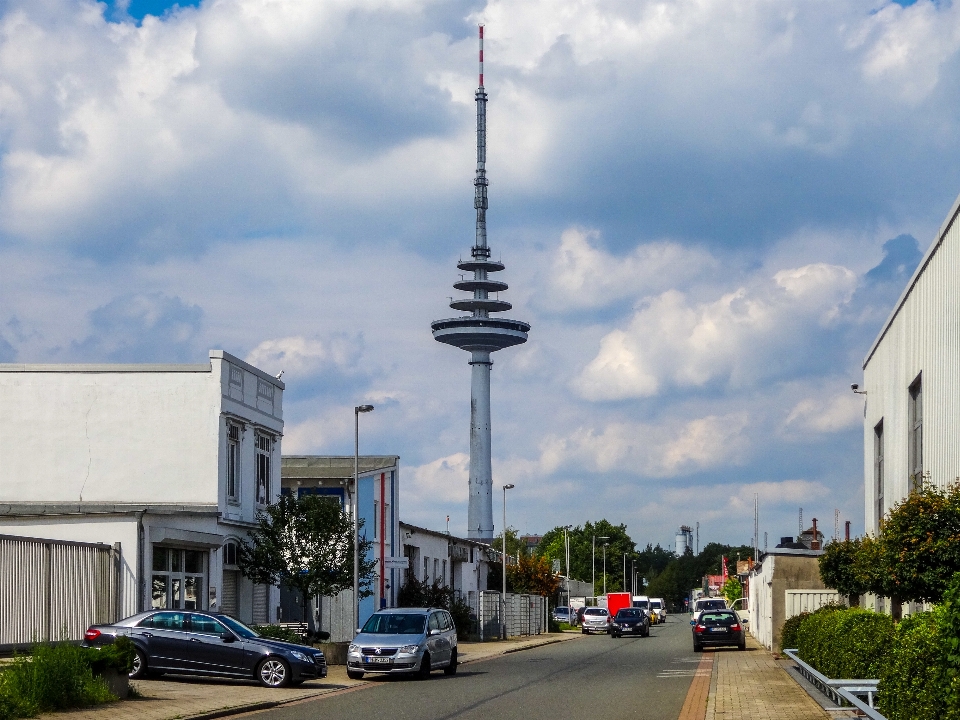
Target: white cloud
x=444, y=480
x=302, y=356
x=826, y=415
x=742, y=337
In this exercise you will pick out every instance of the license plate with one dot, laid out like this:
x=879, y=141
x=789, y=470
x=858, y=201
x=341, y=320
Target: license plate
x=718, y=629
x=384, y=660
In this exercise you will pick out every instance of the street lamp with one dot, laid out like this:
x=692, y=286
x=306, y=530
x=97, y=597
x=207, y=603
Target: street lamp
x=605, y=567
x=356, y=522
x=503, y=562
x=624, y=571
x=566, y=554
x=593, y=564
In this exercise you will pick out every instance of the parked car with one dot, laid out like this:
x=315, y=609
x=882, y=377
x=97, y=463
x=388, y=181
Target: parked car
x=200, y=643
x=718, y=627
x=595, y=619
x=404, y=641
x=630, y=621
x=656, y=606
x=565, y=615
x=707, y=604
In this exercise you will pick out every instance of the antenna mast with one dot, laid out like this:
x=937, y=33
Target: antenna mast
x=480, y=249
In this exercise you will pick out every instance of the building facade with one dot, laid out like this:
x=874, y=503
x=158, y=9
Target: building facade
x=912, y=411
x=458, y=563
x=169, y=462
x=377, y=504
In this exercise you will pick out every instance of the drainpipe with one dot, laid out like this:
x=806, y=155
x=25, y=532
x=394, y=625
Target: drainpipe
x=140, y=565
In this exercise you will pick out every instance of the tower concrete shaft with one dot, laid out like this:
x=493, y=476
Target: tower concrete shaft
x=480, y=334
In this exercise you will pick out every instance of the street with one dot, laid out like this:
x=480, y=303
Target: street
x=595, y=676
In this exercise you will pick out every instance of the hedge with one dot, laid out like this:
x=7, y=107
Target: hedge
x=848, y=643
x=788, y=633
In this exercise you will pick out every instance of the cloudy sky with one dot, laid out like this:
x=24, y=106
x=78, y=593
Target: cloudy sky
x=706, y=208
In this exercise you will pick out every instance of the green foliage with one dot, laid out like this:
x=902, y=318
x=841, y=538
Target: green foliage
x=845, y=643
x=277, y=632
x=852, y=567
x=915, y=679
x=307, y=544
x=789, y=630
x=732, y=590
x=514, y=546
x=52, y=678
x=416, y=593
x=583, y=564
x=118, y=655
x=920, y=545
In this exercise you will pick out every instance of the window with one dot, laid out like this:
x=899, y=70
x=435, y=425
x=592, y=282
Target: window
x=206, y=625
x=233, y=462
x=915, y=442
x=264, y=449
x=376, y=519
x=236, y=377
x=264, y=389
x=434, y=623
x=178, y=579
x=426, y=569
x=443, y=575
x=878, y=470
x=230, y=554
x=436, y=569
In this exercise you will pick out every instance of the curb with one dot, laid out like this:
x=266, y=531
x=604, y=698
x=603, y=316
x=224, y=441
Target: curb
x=531, y=646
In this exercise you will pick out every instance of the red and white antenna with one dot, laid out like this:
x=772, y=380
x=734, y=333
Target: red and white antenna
x=481, y=56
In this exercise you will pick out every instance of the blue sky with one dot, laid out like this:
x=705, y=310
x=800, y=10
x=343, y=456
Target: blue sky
x=706, y=211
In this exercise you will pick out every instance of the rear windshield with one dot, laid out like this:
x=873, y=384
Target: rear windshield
x=718, y=618
x=395, y=624
x=560, y=609
x=629, y=613
x=656, y=604
x=641, y=604
x=595, y=611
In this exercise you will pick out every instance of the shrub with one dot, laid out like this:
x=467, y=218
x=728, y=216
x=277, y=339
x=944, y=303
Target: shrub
x=845, y=643
x=117, y=655
x=914, y=679
x=788, y=633
x=277, y=632
x=52, y=678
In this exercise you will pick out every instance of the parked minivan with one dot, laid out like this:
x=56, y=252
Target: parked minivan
x=404, y=641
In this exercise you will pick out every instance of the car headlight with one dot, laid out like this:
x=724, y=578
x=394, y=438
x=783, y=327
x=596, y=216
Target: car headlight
x=353, y=649
x=301, y=657
x=409, y=649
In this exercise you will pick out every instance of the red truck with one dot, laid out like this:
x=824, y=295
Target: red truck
x=617, y=601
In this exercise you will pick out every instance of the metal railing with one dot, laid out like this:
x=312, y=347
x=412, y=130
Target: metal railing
x=840, y=690
x=53, y=590
x=523, y=614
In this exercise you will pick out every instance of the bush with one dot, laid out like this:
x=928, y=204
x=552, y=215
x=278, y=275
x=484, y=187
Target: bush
x=52, y=678
x=788, y=633
x=276, y=632
x=913, y=680
x=845, y=643
x=117, y=655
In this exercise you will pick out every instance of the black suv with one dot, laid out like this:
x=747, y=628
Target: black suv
x=199, y=643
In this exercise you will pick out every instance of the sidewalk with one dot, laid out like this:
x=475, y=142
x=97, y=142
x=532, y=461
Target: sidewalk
x=748, y=685
x=188, y=698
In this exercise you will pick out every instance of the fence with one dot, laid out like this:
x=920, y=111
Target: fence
x=54, y=590
x=523, y=614
x=798, y=601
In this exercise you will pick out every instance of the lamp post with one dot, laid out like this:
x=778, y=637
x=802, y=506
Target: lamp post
x=605, y=568
x=503, y=562
x=624, y=571
x=566, y=554
x=356, y=522
x=593, y=565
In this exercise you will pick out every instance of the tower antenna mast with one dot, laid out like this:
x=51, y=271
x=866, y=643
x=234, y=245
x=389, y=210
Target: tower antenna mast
x=480, y=334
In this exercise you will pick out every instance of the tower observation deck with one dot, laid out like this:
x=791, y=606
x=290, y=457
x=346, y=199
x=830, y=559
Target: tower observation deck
x=480, y=334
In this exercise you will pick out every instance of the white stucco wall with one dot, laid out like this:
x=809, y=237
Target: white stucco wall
x=921, y=339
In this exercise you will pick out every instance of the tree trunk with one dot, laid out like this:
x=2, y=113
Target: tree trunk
x=311, y=613
x=854, y=601
x=896, y=608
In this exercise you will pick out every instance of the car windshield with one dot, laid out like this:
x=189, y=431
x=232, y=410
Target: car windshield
x=395, y=624
x=238, y=627
x=655, y=604
x=595, y=611
x=713, y=605
x=629, y=613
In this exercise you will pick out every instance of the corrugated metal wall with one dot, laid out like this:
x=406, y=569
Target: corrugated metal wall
x=54, y=590
x=798, y=601
x=923, y=338
x=525, y=614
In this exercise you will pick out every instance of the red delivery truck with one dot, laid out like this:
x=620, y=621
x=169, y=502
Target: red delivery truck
x=617, y=601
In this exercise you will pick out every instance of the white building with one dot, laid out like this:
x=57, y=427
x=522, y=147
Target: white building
x=170, y=461
x=456, y=562
x=912, y=384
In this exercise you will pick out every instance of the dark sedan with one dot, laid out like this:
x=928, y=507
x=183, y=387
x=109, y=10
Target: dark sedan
x=630, y=621
x=199, y=643
x=717, y=628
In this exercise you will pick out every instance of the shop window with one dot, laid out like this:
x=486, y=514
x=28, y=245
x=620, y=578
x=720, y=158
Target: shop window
x=264, y=450
x=178, y=579
x=233, y=462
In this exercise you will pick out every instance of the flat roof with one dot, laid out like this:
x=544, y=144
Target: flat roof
x=441, y=534
x=139, y=367
x=336, y=467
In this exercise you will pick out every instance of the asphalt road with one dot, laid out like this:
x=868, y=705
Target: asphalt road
x=590, y=677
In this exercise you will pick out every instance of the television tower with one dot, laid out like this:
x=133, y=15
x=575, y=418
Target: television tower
x=480, y=334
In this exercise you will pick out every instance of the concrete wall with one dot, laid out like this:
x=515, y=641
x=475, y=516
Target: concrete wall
x=769, y=583
x=922, y=338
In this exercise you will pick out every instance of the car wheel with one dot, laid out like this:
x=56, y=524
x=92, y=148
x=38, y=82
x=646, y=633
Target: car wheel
x=273, y=673
x=583, y=631
x=424, y=671
x=697, y=647
x=139, y=668
x=451, y=669
x=742, y=646
x=354, y=674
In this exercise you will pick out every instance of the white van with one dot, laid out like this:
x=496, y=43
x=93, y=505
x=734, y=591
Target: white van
x=657, y=606
x=708, y=603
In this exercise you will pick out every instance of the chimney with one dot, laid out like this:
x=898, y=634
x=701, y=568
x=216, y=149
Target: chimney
x=815, y=542
x=847, y=531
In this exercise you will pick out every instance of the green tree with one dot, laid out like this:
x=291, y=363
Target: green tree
x=920, y=545
x=732, y=590
x=582, y=562
x=307, y=544
x=851, y=568
x=514, y=546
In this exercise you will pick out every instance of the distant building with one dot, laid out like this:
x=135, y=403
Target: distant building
x=684, y=539
x=912, y=401
x=171, y=462
x=458, y=563
x=378, y=503
x=530, y=542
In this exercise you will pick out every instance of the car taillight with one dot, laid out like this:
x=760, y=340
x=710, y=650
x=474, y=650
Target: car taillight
x=699, y=628
x=92, y=634
x=735, y=628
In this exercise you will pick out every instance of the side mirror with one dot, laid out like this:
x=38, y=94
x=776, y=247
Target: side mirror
x=693, y=622
x=435, y=632
x=227, y=637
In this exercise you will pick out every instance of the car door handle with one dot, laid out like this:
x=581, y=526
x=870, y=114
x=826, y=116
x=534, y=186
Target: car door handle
x=194, y=640
x=146, y=634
